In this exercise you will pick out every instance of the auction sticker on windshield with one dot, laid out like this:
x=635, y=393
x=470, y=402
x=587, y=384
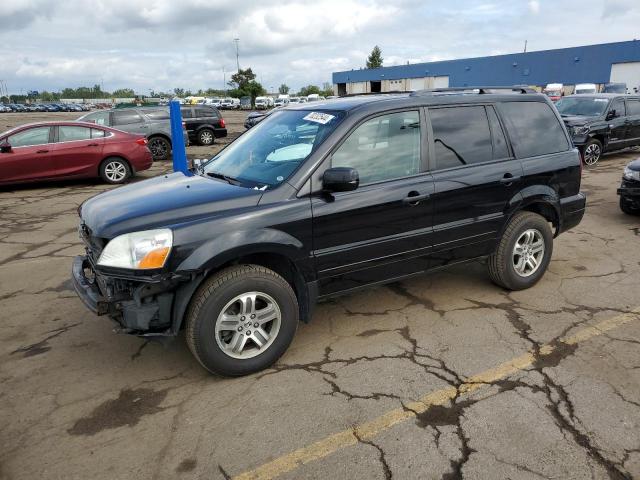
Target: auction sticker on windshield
x=319, y=117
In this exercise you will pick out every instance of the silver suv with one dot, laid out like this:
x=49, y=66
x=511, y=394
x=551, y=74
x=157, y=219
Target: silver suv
x=151, y=122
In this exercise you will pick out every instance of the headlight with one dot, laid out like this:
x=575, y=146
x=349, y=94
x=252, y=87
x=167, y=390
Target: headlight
x=581, y=130
x=138, y=250
x=631, y=174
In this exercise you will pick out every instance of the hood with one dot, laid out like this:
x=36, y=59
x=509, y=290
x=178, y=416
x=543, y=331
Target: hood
x=635, y=165
x=574, y=120
x=167, y=200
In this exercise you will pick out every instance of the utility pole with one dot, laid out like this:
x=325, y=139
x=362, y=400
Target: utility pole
x=224, y=81
x=525, y=46
x=237, y=40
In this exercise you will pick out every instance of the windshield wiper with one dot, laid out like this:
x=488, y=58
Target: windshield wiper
x=226, y=178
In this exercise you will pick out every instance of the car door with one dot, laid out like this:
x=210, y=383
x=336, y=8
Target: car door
x=129, y=120
x=633, y=121
x=475, y=177
x=29, y=157
x=77, y=151
x=382, y=229
x=618, y=124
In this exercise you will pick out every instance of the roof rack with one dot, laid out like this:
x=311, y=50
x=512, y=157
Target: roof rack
x=476, y=90
x=393, y=92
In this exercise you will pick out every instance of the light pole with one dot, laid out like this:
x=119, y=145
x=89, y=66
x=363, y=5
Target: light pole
x=237, y=40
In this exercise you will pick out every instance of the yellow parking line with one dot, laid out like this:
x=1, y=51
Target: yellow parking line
x=370, y=429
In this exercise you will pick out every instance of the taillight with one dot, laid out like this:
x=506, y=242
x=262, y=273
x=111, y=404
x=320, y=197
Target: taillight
x=222, y=125
x=142, y=141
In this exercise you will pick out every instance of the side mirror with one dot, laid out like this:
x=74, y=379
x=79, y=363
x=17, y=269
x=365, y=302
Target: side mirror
x=611, y=114
x=5, y=147
x=340, y=179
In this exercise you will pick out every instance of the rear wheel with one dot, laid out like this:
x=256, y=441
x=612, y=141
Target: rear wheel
x=115, y=170
x=592, y=152
x=524, y=252
x=160, y=148
x=241, y=320
x=206, y=137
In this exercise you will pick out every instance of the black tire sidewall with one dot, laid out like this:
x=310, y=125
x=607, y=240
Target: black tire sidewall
x=515, y=281
x=213, y=138
x=107, y=161
x=208, y=351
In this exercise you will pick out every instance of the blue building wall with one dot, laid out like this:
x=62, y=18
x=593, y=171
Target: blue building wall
x=591, y=63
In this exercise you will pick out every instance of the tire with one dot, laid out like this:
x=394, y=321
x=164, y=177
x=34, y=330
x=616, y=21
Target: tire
x=160, y=148
x=115, y=170
x=504, y=263
x=628, y=209
x=212, y=342
x=591, y=152
x=206, y=137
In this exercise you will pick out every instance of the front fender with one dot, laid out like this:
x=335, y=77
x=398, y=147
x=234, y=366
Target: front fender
x=229, y=246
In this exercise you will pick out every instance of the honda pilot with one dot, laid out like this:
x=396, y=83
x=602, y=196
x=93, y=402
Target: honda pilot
x=324, y=199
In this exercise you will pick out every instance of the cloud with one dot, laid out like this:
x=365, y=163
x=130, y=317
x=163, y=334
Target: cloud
x=162, y=44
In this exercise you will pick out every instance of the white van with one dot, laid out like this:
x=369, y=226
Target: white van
x=586, y=88
x=262, y=103
x=554, y=91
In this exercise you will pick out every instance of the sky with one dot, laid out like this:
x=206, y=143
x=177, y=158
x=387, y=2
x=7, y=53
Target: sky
x=162, y=44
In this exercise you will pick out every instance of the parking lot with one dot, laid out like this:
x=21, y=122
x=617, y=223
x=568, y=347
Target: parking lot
x=441, y=376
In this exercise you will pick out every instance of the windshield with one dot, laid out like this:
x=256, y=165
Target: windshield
x=270, y=152
x=619, y=88
x=589, y=107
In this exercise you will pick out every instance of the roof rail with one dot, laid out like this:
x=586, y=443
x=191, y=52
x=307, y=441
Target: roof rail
x=392, y=92
x=476, y=90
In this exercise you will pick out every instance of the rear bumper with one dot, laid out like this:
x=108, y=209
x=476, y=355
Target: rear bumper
x=220, y=132
x=571, y=211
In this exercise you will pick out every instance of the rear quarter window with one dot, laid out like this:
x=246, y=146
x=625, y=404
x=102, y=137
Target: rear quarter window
x=533, y=128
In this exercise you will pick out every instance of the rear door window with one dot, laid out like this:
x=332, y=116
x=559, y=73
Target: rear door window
x=96, y=133
x=126, y=117
x=205, y=113
x=633, y=107
x=71, y=134
x=461, y=136
x=186, y=113
x=157, y=115
x=533, y=128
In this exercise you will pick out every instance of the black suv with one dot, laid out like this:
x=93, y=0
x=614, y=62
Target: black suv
x=326, y=198
x=204, y=123
x=601, y=122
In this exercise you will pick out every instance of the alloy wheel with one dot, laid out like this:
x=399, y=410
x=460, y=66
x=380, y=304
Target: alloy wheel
x=206, y=137
x=115, y=171
x=158, y=147
x=528, y=252
x=248, y=325
x=592, y=154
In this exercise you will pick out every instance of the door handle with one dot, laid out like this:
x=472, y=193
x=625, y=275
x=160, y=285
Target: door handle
x=93, y=145
x=414, y=198
x=508, y=179
x=42, y=151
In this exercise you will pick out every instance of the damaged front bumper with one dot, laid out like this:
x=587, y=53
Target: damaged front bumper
x=138, y=306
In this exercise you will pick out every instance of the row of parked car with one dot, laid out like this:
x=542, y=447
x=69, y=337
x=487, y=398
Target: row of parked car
x=45, y=107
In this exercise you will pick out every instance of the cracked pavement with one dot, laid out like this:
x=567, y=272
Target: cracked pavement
x=81, y=402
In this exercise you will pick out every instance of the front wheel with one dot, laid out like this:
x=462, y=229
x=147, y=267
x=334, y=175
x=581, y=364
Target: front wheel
x=592, y=152
x=524, y=252
x=627, y=207
x=241, y=320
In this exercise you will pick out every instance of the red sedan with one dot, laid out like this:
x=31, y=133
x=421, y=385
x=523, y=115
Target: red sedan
x=63, y=150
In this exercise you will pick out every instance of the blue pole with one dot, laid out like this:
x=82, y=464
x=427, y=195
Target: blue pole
x=177, y=138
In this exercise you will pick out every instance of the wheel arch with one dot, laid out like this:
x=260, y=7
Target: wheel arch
x=540, y=199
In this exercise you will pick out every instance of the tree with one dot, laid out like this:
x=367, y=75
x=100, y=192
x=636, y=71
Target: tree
x=284, y=89
x=375, y=59
x=242, y=78
x=308, y=90
x=327, y=89
x=179, y=92
x=123, y=93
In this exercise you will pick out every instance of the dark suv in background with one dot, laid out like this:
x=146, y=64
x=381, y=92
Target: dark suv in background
x=203, y=123
x=152, y=122
x=325, y=198
x=601, y=123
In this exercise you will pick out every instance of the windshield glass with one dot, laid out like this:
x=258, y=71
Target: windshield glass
x=270, y=152
x=589, y=107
